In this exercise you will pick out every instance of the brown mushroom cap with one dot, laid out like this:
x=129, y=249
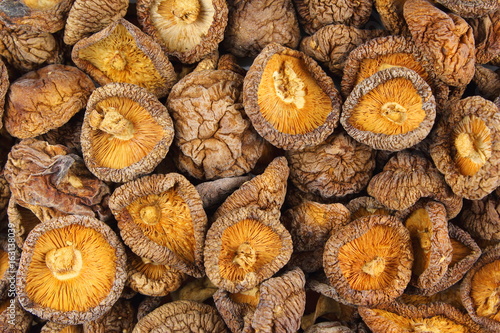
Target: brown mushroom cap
x=121, y=318
x=369, y=261
x=362, y=206
x=392, y=110
x=185, y=29
x=121, y=52
x=126, y=132
x=391, y=15
x=45, y=99
x=77, y=260
x=182, y=316
x=486, y=31
x=471, y=8
x=482, y=217
x=161, y=218
x=13, y=318
x=289, y=99
x=22, y=220
x=4, y=86
x=244, y=247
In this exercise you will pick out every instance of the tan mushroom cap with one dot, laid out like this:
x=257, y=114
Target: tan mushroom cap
x=365, y=205
x=126, y=132
x=471, y=8
x=121, y=52
x=481, y=217
x=369, y=261
x=391, y=15
x=289, y=99
x=121, y=318
x=161, y=218
x=244, y=247
x=392, y=110
x=183, y=316
x=77, y=260
x=185, y=29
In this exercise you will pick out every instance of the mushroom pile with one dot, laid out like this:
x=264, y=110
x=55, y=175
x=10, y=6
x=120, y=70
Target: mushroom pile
x=249, y=166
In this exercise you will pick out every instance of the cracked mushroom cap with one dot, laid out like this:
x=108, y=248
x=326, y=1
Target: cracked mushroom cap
x=77, y=260
x=45, y=99
x=186, y=29
x=121, y=52
x=369, y=261
x=244, y=247
x=182, y=316
x=289, y=99
x=465, y=148
x=480, y=292
x=126, y=132
x=393, y=109
x=161, y=218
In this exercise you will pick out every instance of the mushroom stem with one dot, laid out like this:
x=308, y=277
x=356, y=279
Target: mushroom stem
x=112, y=122
x=288, y=86
x=118, y=61
x=394, y=112
x=374, y=267
x=150, y=214
x=245, y=256
x=491, y=304
x=185, y=11
x=64, y=263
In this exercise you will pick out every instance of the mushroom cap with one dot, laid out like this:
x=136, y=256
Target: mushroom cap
x=280, y=108
x=471, y=8
x=64, y=258
x=118, y=109
x=4, y=86
x=481, y=217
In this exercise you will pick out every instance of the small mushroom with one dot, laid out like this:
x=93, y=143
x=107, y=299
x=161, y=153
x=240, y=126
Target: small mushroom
x=487, y=82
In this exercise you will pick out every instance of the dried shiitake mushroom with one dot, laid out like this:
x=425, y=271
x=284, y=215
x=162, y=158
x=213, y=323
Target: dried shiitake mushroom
x=186, y=29
x=4, y=86
x=392, y=109
x=77, y=260
x=126, y=132
x=89, y=16
x=214, y=192
x=121, y=318
x=53, y=327
x=432, y=317
x=52, y=176
x=480, y=292
x=332, y=44
x=244, y=247
x=487, y=82
x=22, y=220
x=213, y=135
x=482, y=217
x=432, y=248
x=198, y=290
x=334, y=168
x=464, y=147
x=316, y=14
x=253, y=24
x=4, y=195
x=471, y=8
x=369, y=261
x=391, y=15
x=182, y=316
x=486, y=33
x=45, y=99
x=328, y=327
x=161, y=218
x=121, y=52
x=13, y=318
x=363, y=206
x=290, y=100
x=446, y=40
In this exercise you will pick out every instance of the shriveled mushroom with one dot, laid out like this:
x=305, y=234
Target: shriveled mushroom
x=362, y=206
x=391, y=15
x=486, y=31
x=214, y=192
x=487, y=82
x=4, y=86
x=482, y=217
x=471, y=8
x=13, y=318
x=22, y=220
x=120, y=318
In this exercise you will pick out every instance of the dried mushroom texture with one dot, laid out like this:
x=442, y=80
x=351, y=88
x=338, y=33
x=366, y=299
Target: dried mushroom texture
x=45, y=99
x=4, y=86
x=334, y=168
x=471, y=8
x=22, y=220
x=432, y=248
x=315, y=14
x=121, y=318
x=332, y=44
x=363, y=206
x=13, y=318
x=186, y=29
x=253, y=24
x=89, y=16
x=465, y=148
x=121, y=52
x=391, y=110
x=409, y=176
x=328, y=327
x=230, y=62
x=289, y=99
x=150, y=278
x=275, y=305
x=46, y=16
x=244, y=247
x=433, y=317
x=68, y=134
x=486, y=34
x=27, y=49
x=391, y=15
x=213, y=136
x=4, y=195
x=214, y=192
x=126, y=132
x=482, y=217
x=77, y=260
x=52, y=176
x=450, y=295
x=487, y=82
x=198, y=290
x=266, y=191
x=182, y=316
x=446, y=40
x=369, y=261
x=9, y=262
x=479, y=290
x=161, y=218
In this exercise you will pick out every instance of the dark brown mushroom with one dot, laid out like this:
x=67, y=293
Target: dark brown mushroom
x=289, y=99
x=161, y=218
x=77, y=260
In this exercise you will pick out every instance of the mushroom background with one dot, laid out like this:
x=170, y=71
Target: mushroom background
x=249, y=165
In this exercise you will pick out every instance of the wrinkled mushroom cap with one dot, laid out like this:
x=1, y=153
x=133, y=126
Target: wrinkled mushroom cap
x=471, y=8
